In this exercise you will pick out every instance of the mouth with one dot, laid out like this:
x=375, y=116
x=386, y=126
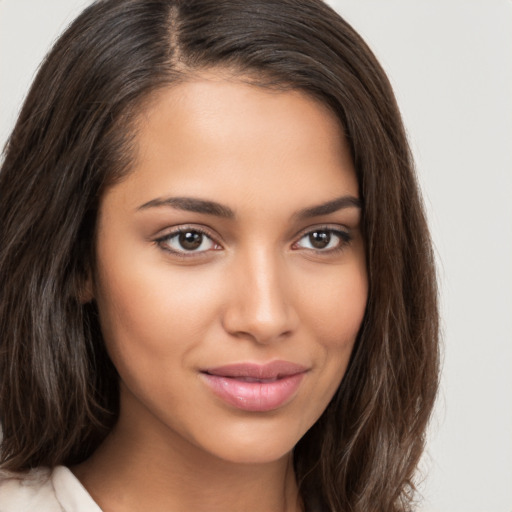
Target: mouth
x=254, y=387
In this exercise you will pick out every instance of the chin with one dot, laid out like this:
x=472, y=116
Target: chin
x=249, y=455
x=253, y=442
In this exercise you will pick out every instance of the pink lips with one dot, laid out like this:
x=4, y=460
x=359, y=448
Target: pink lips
x=254, y=387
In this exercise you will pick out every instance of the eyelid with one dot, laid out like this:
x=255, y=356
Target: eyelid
x=184, y=228
x=342, y=232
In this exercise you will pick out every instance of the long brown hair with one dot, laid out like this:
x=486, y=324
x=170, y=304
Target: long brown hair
x=74, y=137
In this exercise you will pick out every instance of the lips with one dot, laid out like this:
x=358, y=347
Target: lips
x=254, y=387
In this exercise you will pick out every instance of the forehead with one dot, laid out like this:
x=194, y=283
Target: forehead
x=231, y=141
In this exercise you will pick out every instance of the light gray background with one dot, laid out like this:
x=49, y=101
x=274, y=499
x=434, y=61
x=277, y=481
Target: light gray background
x=450, y=62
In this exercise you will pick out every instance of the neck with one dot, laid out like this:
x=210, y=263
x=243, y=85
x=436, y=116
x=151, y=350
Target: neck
x=139, y=470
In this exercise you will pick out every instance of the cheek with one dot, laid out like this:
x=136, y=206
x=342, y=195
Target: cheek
x=336, y=313
x=336, y=309
x=332, y=314
x=151, y=313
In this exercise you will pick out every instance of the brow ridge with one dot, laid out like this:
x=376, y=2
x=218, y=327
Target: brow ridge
x=208, y=207
x=332, y=206
x=191, y=204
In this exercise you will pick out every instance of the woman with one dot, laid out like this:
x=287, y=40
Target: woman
x=217, y=285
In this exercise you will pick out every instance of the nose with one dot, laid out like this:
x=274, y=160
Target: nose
x=259, y=306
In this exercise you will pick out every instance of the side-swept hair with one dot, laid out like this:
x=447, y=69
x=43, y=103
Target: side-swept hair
x=74, y=137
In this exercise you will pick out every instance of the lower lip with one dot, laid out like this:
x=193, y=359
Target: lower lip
x=254, y=396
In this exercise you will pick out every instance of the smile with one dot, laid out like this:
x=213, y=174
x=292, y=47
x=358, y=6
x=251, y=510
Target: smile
x=256, y=388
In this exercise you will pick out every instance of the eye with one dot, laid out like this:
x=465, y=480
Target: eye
x=187, y=241
x=324, y=239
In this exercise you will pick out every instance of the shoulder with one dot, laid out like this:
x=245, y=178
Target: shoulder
x=27, y=492
x=44, y=490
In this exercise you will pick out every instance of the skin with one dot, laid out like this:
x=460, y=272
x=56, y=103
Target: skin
x=256, y=291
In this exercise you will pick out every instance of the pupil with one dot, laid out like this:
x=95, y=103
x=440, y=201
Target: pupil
x=190, y=240
x=320, y=239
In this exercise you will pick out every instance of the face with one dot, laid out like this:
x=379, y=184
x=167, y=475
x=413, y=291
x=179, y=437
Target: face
x=231, y=280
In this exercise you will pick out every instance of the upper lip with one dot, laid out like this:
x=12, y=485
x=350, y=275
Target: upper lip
x=271, y=370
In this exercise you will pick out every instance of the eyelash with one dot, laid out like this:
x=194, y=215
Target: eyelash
x=345, y=238
x=163, y=242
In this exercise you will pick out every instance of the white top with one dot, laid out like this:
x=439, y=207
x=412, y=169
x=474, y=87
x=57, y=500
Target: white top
x=44, y=490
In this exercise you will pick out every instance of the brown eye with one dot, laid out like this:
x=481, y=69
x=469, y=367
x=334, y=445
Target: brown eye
x=190, y=240
x=324, y=240
x=187, y=241
x=319, y=239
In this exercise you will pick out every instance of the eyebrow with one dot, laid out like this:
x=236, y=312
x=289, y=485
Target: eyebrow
x=191, y=204
x=332, y=206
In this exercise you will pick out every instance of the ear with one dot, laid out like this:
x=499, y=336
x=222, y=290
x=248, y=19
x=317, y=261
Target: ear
x=86, y=289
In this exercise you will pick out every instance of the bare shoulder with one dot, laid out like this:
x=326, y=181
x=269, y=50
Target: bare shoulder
x=26, y=492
